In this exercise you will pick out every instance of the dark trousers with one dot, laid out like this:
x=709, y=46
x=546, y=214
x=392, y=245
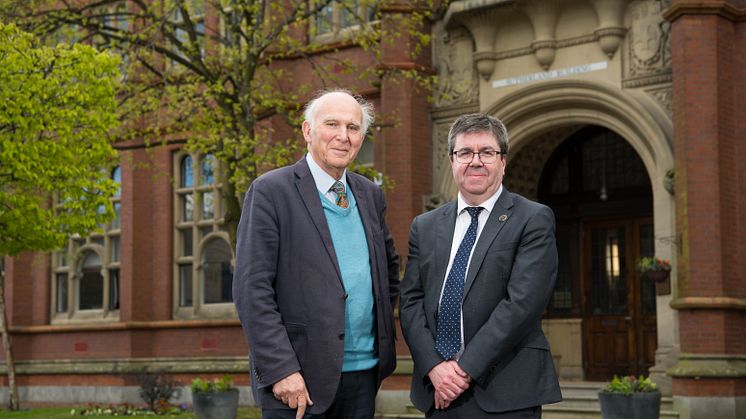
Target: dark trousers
x=466, y=407
x=355, y=399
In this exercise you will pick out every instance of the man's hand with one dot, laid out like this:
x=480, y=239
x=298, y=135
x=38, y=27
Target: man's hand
x=292, y=391
x=449, y=381
x=440, y=403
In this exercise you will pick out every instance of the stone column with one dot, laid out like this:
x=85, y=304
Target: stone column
x=709, y=380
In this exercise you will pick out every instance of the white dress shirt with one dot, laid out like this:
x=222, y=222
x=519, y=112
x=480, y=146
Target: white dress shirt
x=323, y=180
x=462, y=224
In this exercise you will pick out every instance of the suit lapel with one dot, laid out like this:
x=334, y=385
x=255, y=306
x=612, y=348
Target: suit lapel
x=499, y=216
x=310, y=197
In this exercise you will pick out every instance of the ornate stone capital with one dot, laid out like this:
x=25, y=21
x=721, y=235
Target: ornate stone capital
x=611, y=29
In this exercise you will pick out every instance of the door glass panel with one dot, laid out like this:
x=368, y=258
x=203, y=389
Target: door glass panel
x=561, y=302
x=647, y=287
x=608, y=271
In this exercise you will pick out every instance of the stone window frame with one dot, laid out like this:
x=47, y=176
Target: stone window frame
x=67, y=267
x=338, y=30
x=188, y=250
x=197, y=13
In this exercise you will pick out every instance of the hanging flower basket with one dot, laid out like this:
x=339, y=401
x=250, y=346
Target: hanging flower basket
x=655, y=269
x=657, y=276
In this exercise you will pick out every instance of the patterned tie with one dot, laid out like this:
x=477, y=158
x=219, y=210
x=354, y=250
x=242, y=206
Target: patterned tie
x=448, y=336
x=339, y=189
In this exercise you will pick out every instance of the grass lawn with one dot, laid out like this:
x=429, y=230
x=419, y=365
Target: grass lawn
x=64, y=412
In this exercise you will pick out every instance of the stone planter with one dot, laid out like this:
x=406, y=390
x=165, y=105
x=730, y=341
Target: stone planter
x=215, y=404
x=641, y=405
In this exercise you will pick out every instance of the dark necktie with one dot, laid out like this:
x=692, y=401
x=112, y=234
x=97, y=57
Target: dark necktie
x=448, y=336
x=339, y=189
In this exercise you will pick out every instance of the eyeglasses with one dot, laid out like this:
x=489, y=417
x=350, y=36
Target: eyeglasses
x=485, y=156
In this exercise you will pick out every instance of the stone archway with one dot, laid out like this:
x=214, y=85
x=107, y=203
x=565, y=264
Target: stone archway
x=532, y=112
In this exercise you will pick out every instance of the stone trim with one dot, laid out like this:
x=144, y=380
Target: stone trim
x=103, y=327
x=185, y=365
x=721, y=8
x=132, y=365
x=709, y=365
x=647, y=80
x=453, y=111
x=712, y=303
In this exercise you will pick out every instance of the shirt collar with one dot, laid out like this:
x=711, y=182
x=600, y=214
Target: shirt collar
x=323, y=180
x=487, y=205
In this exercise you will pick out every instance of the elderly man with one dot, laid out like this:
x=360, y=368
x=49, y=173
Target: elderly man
x=317, y=275
x=479, y=275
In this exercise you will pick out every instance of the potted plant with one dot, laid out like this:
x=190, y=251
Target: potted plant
x=215, y=399
x=655, y=269
x=630, y=397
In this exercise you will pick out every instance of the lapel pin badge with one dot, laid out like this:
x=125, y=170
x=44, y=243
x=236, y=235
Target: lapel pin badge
x=503, y=217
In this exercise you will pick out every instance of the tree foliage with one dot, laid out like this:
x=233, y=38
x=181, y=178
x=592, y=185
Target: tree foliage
x=214, y=72
x=57, y=108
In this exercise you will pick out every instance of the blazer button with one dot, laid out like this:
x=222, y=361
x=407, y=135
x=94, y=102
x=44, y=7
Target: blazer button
x=341, y=335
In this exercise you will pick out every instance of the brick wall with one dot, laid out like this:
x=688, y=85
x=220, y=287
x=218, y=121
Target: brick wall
x=709, y=153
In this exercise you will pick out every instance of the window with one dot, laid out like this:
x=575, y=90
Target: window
x=337, y=16
x=196, y=9
x=116, y=18
x=203, y=271
x=86, y=273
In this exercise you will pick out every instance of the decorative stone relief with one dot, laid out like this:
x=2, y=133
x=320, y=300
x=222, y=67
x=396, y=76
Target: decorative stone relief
x=664, y=97
x=457, y=78
x=444, y=189
x=648, y=47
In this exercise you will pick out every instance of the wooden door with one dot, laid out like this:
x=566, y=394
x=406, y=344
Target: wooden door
x=620, y=335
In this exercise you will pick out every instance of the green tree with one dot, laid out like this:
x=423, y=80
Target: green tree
x=57, y=111
x=213, y=72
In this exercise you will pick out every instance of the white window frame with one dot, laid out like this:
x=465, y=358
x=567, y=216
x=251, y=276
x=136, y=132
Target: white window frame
x=339, y=32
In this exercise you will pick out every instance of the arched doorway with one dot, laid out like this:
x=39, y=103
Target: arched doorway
x=601, y=194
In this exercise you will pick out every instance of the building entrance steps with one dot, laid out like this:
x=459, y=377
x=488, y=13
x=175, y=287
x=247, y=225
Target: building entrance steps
x=580, y=402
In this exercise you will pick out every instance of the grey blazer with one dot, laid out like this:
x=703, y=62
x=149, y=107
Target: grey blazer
x=287, y=286
x=510, y=279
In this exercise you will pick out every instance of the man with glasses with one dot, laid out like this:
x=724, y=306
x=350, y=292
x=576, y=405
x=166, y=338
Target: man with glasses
x=479, y=275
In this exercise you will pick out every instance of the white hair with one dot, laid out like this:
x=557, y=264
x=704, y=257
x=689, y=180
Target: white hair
x=309, y=112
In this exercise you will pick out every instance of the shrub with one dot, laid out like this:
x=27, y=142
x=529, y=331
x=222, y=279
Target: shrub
x=224, y=383
x=156, y=389
x=630, y=384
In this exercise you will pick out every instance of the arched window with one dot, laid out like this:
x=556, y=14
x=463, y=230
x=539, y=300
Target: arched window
x=203, y=270
x=86, y=273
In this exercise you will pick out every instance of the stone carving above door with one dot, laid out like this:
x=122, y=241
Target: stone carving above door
x=648, y=46
x=457, y=78
x=664, y=97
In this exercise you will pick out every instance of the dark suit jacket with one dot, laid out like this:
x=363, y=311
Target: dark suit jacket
x=511, y=276
x=288, y=290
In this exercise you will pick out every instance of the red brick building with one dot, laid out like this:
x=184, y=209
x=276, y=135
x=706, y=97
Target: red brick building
x=625, y=117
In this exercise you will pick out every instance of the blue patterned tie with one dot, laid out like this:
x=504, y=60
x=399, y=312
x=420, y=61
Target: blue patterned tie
x=448, y=336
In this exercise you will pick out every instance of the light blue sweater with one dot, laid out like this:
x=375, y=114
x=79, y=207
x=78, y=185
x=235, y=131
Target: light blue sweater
x=351, y=247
